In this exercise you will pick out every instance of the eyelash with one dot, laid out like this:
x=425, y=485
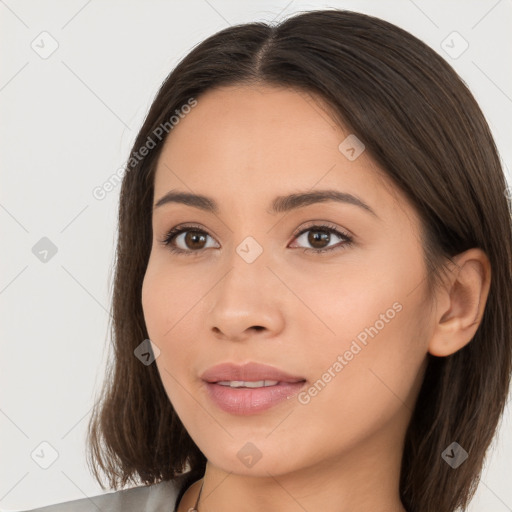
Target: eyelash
x=178, y=230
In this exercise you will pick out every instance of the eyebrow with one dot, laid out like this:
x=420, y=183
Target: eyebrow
x=279, y=205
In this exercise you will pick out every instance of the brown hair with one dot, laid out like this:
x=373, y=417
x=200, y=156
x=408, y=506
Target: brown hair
x=421, y=124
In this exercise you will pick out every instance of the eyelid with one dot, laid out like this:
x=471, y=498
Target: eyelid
x=319, y=224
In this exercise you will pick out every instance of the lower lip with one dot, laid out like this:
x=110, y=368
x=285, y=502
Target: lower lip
x=246, y=401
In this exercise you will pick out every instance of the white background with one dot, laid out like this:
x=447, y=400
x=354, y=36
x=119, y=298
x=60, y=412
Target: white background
x=67, y=124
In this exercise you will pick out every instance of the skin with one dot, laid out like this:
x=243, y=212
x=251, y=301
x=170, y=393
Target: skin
x=243, y=146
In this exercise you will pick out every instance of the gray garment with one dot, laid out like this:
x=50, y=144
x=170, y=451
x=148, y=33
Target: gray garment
x=159, y=497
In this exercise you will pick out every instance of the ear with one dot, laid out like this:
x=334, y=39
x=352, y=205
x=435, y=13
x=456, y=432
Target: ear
x=461, y=303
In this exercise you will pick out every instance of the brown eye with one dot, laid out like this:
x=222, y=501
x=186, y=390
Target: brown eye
x=194, y=239
x=186, y=240
x=320, y=236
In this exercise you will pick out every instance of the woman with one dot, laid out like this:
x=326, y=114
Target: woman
x=312, y=293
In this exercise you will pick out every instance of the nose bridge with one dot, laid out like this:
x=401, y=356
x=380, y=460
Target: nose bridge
x=247, y=273
x=249, y=251
x=243, y=298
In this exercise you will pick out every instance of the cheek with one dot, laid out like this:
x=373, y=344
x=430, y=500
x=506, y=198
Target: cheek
x=395, y=356
x=170, y=309
x=165, y=300
x=358, y=388
x=378, y=345
x=355, y=304
x=163, y=308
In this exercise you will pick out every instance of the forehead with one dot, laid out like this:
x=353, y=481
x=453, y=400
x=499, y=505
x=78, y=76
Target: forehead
x=261, y=112
x=257, y=142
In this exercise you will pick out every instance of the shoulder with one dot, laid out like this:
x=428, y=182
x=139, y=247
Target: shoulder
x=151, y=498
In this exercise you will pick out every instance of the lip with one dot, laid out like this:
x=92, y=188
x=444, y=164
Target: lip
x=246, y=401
x=249, y=372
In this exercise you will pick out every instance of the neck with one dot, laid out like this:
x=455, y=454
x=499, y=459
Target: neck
x=364, y=480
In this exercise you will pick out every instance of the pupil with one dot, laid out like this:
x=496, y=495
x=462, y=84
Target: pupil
x=322, y=237
x=191, y=238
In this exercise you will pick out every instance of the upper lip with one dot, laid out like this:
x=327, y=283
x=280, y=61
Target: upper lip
x=247, y=372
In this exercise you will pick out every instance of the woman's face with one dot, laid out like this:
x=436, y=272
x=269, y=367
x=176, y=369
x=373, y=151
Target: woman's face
x=352, y=322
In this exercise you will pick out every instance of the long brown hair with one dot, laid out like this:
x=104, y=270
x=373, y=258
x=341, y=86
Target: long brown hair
x=421, y=124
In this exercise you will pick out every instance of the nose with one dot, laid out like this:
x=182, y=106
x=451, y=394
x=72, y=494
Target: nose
x=246, y=302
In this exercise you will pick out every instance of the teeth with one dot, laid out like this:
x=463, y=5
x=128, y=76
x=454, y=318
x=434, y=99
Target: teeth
x=247, y=384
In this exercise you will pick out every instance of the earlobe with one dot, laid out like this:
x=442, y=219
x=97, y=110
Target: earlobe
x=463, y=298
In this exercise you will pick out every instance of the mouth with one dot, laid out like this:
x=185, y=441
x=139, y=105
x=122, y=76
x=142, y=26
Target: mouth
x=249, y=388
